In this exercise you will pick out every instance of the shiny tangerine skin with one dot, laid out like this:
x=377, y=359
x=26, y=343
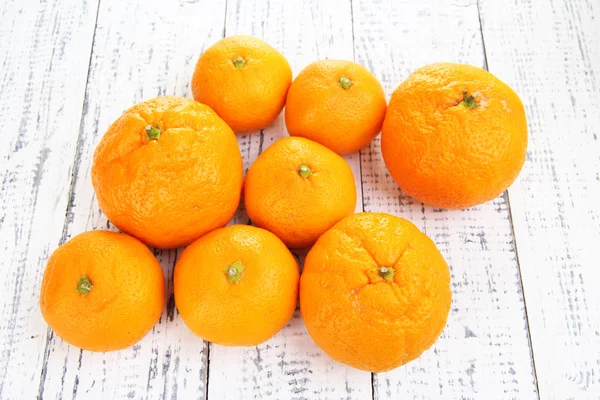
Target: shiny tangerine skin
x=126, y=299
x=243, y=79
x=343, y=116
x=295, y=208
x=170, y=191
x=357, y=316
x=245, y=312
x=445, y=154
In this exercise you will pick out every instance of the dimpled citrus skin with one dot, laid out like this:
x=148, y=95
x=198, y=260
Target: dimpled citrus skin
x=170, y=191
x=297, y=209
x=126, y=299
x=247, y=98
x=320, y=109
x=361, y=319
x=245, y=313
x=445, y=154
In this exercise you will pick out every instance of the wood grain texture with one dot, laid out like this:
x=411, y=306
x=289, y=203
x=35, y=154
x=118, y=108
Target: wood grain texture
x=141, y=50
x=290, y=365
x=550, y=53
x=484, y=350
x=44, y=63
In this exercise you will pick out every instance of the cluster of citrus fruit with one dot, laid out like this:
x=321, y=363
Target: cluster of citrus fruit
x=374, y=291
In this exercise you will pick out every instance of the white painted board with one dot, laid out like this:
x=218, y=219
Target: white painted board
x=525, y=319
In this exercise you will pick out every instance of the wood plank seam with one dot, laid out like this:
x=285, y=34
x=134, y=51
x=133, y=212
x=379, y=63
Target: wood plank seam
x=208, y=344
x=512, y=227
x=207, y=371
x=360, y=155
x=70, y=205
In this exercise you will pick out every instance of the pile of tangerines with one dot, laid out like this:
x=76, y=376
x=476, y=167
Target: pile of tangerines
x=374, y=291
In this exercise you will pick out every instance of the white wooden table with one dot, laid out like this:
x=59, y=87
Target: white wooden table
x=525, y=318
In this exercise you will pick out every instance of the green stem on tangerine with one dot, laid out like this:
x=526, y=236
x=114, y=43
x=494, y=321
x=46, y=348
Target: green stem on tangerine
x=345, y=82
x=387, y=273
x=304, y=171
x=234, y=272
x=84, y=285
x=152, y=132
x=469, y=101
x=239, y=62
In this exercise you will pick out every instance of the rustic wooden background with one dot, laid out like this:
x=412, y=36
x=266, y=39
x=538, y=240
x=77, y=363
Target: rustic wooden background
x=525, y=318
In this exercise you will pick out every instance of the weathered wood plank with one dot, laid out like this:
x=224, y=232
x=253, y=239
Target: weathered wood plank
x=550, y=53
x=289, y=365
x=141, y=50
x=484, y=351
x=44, y=64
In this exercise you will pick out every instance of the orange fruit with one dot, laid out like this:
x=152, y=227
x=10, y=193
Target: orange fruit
x=298, y=189
x=244, y=80
x=374, y=292
x=339, y=104
x=102, y=291
x=168, y=171
x=454, y=136
x=236, y=286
